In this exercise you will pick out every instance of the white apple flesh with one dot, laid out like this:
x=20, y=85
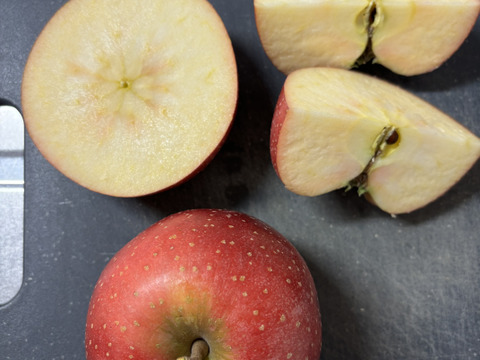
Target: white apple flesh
x=408, y=37
x=298, y=34
x=417, y=36
x=329, y=131
x=218, y=276
x=128, y=99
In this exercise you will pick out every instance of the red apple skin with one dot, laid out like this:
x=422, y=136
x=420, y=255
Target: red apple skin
x=214, y=274
x=279, y=116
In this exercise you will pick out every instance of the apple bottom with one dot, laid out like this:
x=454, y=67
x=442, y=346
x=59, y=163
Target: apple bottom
x=220, y=276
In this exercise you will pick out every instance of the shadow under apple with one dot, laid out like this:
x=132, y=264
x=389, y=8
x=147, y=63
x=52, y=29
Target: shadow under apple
x=342, y=338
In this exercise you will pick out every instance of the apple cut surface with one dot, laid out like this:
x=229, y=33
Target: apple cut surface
x=415, y=37
x=216, y=275
x=409, y=37
x=302, y=33
x=128, y=99
x=330, y=128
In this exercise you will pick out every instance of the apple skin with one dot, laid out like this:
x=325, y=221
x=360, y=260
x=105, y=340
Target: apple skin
x=219, y=275
x=279, y=115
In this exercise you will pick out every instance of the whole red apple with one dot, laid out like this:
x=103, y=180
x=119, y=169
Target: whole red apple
x=216, y=275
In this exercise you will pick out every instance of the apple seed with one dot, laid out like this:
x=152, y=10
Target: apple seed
x=393, y=138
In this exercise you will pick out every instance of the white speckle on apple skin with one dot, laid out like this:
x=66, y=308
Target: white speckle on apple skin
x=252, y=288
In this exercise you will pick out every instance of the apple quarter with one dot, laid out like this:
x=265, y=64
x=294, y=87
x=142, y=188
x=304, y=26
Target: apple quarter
x=409, y=37
x=335, y=128
x=128, y=99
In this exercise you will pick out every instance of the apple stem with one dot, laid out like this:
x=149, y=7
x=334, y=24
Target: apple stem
x=199, y=351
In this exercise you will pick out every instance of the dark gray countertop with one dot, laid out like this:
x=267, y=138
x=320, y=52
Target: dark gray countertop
x=403, y=288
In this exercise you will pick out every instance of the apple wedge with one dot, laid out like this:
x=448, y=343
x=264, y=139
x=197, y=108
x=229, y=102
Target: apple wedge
x=128, y=99
x=408, y=37
x=335, y=128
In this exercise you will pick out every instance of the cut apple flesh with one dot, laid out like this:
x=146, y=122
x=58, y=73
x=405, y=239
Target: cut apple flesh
x=303, y=33
x=415, y=37
x=128, y=100
x=335, y=128
x=409, y=37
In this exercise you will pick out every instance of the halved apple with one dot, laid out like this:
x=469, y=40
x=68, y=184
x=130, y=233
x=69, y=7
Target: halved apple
x=129, y=98
x=335, y=128
x=409, y=37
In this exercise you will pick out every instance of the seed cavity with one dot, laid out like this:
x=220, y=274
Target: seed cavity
x=387, y=137
x=369, y=20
